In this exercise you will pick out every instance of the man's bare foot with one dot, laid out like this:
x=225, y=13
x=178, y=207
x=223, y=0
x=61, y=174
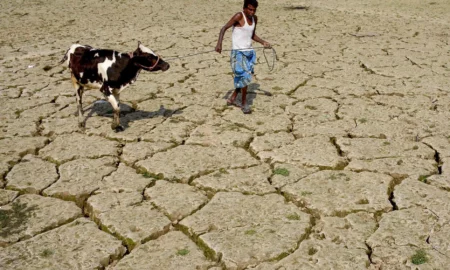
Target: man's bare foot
x=231, y=102
x=246, y=110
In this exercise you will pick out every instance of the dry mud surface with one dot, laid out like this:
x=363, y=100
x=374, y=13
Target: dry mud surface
x=343, y=164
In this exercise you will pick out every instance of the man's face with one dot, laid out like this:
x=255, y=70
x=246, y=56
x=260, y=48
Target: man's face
x=250, y=11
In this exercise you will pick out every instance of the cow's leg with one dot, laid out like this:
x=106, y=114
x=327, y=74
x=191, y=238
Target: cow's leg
x=117, y=97
x=115, y=105
x=116, y=121
x=79, y=93
x=116, y=94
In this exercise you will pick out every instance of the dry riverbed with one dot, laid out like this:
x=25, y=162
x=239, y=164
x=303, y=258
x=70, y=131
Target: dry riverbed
x=343, y=164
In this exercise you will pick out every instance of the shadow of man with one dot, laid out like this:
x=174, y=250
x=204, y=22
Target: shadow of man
x=252, y=91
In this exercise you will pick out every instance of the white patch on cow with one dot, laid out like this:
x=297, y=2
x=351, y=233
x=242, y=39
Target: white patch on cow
x=96, y=55
x=93, y=85
x=103, y=67
x=112, y=100
x=71, y=51
x=145, y=49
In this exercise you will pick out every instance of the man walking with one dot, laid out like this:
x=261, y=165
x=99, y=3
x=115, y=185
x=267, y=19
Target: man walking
x=243, y=56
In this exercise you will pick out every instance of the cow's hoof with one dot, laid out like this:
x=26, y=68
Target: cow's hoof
x=118, y=128
x=81, y=125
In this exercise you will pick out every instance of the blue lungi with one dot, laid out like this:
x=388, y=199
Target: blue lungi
x=242, y=63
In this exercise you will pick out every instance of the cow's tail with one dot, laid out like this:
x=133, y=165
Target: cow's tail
x=65, y=58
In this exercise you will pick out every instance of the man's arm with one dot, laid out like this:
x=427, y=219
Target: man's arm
x=258, y=39
x=234, y=20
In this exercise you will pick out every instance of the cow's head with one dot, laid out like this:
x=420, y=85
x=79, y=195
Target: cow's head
x=148, y=60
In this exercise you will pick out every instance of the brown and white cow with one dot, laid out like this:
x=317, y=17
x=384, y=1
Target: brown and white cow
x=108, y=70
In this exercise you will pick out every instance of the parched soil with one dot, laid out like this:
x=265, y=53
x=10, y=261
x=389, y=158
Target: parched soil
x=344, y=162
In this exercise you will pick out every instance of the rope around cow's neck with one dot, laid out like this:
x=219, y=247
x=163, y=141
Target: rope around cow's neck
x=271, y=67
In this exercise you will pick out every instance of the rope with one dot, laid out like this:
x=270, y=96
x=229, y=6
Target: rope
x=271, y=67
x=274, y=58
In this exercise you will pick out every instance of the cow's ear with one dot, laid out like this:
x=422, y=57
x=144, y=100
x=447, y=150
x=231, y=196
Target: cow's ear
x=139, y=47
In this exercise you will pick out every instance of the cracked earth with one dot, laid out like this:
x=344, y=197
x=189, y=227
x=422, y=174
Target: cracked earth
x=343, y=164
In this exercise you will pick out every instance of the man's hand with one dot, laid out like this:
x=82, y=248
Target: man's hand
x=219, y=48
x=266, y=45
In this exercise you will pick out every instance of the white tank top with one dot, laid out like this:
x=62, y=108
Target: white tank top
x=242, y=36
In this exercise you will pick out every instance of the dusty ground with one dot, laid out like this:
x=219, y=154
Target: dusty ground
x=344, y=163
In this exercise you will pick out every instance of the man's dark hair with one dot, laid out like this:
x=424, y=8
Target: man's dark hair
x=251, y=2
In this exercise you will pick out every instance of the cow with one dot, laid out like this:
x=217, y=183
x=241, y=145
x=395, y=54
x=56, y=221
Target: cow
x=108, y=70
